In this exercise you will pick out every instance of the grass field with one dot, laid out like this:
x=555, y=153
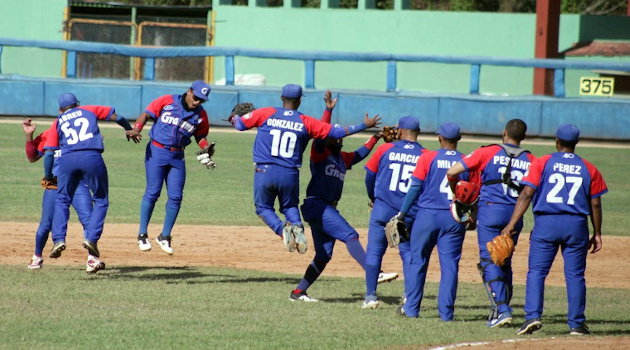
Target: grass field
x=133, y=307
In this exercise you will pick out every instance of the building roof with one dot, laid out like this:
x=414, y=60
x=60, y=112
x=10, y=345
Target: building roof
x=599, y=48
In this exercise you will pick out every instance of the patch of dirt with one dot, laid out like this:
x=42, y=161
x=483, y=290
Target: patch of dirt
x=258, y=248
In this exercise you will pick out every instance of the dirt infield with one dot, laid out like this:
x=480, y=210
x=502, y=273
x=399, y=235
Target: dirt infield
x=259, y=249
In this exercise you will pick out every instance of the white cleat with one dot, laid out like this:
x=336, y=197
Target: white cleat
x=386, y=277
x=143, y=243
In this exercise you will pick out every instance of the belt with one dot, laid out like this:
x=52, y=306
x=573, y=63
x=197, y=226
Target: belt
x=168, y=148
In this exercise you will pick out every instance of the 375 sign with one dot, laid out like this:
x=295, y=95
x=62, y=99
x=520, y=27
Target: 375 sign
x=597, y=86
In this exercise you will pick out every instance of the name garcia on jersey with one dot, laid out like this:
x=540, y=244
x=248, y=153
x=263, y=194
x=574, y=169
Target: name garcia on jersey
x=403, y=157
x=285, y=124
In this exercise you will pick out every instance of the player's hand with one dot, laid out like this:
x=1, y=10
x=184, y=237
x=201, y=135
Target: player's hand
x=330, y=103
x=595, y=243
x=133, y=134
x=372, y=122
x=28, y=126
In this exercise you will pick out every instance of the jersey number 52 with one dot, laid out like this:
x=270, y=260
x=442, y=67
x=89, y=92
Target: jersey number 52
x=72, y=136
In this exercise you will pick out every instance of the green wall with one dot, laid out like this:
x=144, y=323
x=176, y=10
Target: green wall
x=404, y=31
x=32, y=19
x=413, y=32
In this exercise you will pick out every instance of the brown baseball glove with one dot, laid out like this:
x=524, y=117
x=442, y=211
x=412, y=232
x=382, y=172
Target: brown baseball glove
x=389, y=133
x=49, y=183
x=395, y=230
x=501, y=248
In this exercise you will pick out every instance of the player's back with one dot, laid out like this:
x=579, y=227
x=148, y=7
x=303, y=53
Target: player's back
x=281, y=138
x=436, y=192
x=393, y=163
x=565, y=185
x=77, y=128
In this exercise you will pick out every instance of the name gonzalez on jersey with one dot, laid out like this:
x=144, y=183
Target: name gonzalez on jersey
x=285, y=124
x=167, y=118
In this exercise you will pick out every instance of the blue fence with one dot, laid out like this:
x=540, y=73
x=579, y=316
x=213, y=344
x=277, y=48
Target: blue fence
x=598, y=118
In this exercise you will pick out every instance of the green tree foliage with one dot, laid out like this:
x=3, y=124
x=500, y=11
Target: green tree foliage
x=585, y=7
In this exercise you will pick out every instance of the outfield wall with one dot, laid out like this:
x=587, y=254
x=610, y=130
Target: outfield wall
x=485, y=115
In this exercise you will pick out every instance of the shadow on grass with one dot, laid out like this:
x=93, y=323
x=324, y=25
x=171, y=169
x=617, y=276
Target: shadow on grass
x=183, y=274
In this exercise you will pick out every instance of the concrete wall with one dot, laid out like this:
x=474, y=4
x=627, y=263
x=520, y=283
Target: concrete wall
x=32, y=19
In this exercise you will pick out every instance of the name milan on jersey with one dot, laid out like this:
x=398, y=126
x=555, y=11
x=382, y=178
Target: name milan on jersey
x=285, y=124
x=66, y=117
x=167, y=118
x=516, y=163
x=445, y=164
x=331, y=170
x=403, y=157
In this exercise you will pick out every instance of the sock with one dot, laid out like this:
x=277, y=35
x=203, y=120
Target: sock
x=356, y=251
x=169, y=220
x=146, y=210
x=312, y=272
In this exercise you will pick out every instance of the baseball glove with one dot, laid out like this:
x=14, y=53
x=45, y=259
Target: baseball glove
x=394, y=230
x=501, y=248
x=389, y=133
x=49, y=183
x=204, y=156
x=240, y=109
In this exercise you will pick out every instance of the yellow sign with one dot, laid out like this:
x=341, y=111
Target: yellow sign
x=597, y=86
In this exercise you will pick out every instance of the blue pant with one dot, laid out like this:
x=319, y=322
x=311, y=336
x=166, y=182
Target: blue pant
x=74, y=167
x=491, y=219
x=82, y=203
x=274, y=181
x=162, y=165
x=570, y=234
x=377, y=244
x=327, y=226
x=431, y=228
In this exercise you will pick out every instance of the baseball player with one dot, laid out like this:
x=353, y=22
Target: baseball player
x=76, y=133
x=497, y=198
x=82, y=201
x=434, y=225
x=387, y=179
x=281, y=140
x=565, y=189
x=176, y=119
x=328, y=169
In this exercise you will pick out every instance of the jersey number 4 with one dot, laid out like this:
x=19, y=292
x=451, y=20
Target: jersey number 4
x=283, y=144
x=559, y=181
x=71, y=134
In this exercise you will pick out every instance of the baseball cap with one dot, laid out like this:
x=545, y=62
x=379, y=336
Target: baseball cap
x=201, y=89
x=449, y=131
x=67, y=99
x=568, y=132
x=292, y=91
x=409, y=122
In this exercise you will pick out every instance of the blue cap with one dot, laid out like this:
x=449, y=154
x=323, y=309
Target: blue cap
x=201, y=89
x=292, y=91
x=67, y=99
x=568, y=132
x=409, y=122
x=449, y=131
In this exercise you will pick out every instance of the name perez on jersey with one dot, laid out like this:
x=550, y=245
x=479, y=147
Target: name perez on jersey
x=285, y=124
x=331, y=170
x=403, y=157
x=66, y=117
x=567, y=168
x=516, y=163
